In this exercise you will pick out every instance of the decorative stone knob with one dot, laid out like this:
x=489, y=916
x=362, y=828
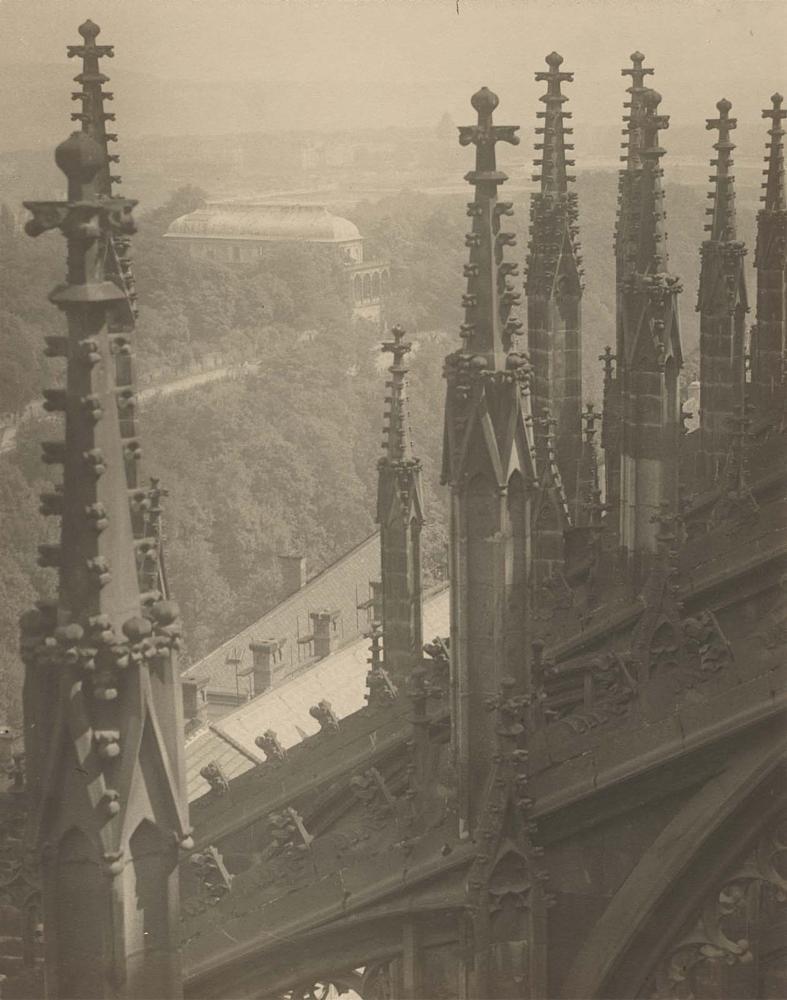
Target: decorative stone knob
x=484, y=101
x=89, y=30
x=80, y=158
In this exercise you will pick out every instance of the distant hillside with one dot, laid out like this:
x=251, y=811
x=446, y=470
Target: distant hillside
x=285, y=459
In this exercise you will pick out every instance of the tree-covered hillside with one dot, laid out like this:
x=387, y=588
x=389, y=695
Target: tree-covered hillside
x=283, y=460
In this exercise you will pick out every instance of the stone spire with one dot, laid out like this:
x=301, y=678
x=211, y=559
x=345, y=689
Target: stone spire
x=489, y=464
x=722, y=304
x=400, y=514
x=554, y=287
x=769, y=337
x=650, y=352
x=92, y=116
x=774, y=197
x=625, y=238
x=488, y=328
x=103, y=710
x=119, y=268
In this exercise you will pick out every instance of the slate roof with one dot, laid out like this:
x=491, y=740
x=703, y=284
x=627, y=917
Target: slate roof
x=339, y=678
x=339, y=587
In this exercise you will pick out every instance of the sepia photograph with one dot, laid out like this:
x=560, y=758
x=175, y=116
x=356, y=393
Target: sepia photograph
x=393, y=500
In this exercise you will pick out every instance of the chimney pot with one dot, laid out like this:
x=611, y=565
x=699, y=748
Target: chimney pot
x=195, y=701
x=293, y=573
x=323, y=624
x=265, y=654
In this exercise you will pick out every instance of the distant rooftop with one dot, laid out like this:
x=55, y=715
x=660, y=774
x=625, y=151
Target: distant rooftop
x=341, y=587
x=264, y=221
x=339, y=678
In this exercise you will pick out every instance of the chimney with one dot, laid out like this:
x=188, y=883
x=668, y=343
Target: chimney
x=293, y=573
x=195, y=701
x=323, y=626
x=266, y=653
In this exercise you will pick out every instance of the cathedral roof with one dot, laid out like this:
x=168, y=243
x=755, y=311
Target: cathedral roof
x=274, y=223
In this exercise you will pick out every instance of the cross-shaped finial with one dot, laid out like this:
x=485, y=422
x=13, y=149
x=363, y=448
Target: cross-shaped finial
x=398, y=346
x=484, y=135
x=90, y=31
x=637, y=71
x=608, y=359
x=776, y=112
x=589, y=418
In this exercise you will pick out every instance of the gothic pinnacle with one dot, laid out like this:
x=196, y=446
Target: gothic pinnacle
x=652, y=244
x=397, y=444
x=554, y=177
x=92, y=116
x=635, y=107
x=488, y=328
x=773, y=186
x=722, y=227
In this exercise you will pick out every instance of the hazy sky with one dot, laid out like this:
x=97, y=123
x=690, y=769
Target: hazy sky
x=334, y=63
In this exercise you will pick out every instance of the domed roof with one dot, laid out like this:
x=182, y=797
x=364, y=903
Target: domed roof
x=238, y=220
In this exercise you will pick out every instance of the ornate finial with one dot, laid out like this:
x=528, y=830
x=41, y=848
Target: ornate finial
x=397, y=445
x=89, y=30
x=553, y=210
x=651, y=257
x=628, y=179
x=553, y=162
x=773, y=186
x=484, y=101
x=722, y=226
x=608, y=359
x=488, y=330
x=92, y=116
x=589, y=418
x=80, y=158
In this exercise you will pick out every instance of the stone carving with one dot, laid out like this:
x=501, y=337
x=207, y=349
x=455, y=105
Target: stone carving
x=214, y=878
x=706, y=641
x=289, y=836
x=270, y=745
x=439, y=660
x=612, y=690
x=730, y=923
x=215, y=777
x=382, y=690
x=372, y=792
x=325, y=715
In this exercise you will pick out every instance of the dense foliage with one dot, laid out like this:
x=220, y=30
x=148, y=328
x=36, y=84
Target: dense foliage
x=282, y=460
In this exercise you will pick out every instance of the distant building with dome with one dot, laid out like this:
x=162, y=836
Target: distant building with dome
x=237, y=232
